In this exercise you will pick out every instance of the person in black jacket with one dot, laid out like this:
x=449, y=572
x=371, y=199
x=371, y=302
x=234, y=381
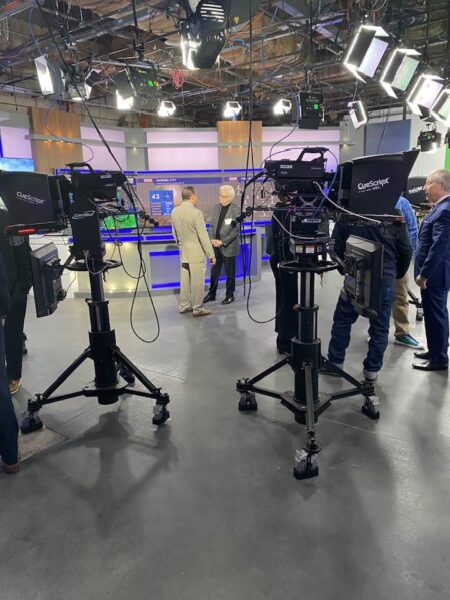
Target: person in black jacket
x=396, y=259
x=18, y=271
x=286, y=287
x=8, y=423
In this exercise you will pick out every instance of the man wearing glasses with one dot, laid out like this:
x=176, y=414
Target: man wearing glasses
x=225, y=241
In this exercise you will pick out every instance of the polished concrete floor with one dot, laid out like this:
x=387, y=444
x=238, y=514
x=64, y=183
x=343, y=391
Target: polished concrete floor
x=206, y=508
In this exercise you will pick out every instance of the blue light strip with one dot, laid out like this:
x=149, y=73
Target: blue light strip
x=176, y=284
x=164, y=253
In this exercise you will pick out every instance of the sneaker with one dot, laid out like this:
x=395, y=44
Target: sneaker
x=201, y=313
x=14, y=386
x=370, y=376
x=327, y=369
x=186, y=310
x=408, y=341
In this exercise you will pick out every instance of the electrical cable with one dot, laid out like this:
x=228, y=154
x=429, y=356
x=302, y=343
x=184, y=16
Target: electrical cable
x=128, y=188
x=385, y=127
x=55, y=135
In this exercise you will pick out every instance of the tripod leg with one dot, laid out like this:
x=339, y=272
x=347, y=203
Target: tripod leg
x=160, y=412
x=31, y=421
x=306, y=458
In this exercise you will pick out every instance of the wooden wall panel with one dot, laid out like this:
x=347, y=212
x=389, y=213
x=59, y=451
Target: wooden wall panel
x=49, y=155
x=230, y=133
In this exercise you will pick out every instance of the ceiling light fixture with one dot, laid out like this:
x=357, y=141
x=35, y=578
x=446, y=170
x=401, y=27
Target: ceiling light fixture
x=366, y=51
x=124, y=103
x=166, y=108
x=424, y=94
x=139, y=82
x=282, y=107
x=232, y=109
x=50, y=77
x=311, y=111
x=357, y=114
x=429, y=140
x=399, y=71
x=203, y=32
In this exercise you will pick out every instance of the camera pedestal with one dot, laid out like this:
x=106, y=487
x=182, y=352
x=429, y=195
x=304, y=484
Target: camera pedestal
x=305, y=402
x=114, y=372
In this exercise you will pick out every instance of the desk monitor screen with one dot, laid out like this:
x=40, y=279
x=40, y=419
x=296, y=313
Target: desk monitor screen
x=120, y=222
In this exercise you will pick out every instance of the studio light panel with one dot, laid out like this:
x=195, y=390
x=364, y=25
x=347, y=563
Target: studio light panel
x=441, y=108
x=399, y=71
x=357, y=114
x=424, y=94
x=366, y=51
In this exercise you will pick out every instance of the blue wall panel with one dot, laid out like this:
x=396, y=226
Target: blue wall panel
x=384, y=138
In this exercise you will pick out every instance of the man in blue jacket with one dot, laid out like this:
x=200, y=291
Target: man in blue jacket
x=8, y=422
x=432, y=271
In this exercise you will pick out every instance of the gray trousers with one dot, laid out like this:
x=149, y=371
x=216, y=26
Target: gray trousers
x=192, y=285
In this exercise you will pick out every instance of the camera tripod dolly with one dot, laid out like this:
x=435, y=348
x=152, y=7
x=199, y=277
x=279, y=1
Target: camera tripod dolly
x=114, y=372
x=306, y=360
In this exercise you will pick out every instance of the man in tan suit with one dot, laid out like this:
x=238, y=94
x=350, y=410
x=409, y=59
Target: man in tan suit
x=189, y=231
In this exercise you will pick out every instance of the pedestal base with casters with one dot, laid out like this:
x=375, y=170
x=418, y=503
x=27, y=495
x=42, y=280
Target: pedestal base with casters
x=114, y=372
x=305, y=402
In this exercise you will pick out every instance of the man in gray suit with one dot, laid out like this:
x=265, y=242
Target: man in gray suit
x=189, y=231
x=225, y=239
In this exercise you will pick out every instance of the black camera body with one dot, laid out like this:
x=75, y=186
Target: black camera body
x=365, y=187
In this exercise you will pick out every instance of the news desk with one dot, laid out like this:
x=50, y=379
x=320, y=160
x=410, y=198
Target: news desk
x=162, y=261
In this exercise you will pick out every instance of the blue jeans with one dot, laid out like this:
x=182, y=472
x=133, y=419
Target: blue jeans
x=8, y=422
x=344, y=317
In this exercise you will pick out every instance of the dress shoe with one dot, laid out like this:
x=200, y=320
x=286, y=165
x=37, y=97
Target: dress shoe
x=208, y=298
x=430, y=366
x=14, y=386
x=228, y=300
x=12, y=469
x=203, y=312
x=422, y=355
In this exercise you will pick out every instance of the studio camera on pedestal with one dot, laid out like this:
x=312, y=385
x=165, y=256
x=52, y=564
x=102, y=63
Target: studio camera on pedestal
x=363, y=191
x=39, y=203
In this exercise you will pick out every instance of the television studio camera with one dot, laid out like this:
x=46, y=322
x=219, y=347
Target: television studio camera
x=364, y=190
x=39, y=204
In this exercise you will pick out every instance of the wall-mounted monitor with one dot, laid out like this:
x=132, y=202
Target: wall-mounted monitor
x=16, y=164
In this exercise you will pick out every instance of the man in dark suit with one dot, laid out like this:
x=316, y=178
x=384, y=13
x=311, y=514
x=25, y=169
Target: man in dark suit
x=432, y=271
x=8, y=423
x=225, y=241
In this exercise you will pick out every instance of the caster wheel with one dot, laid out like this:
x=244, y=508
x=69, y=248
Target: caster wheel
x=127, y=374
x=160, y=415
x=370, y=409
x=248, y=402
x=419, y=316
x=30, y=423
x=306, y=465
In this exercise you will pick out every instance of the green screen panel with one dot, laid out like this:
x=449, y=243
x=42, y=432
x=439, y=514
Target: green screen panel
x=447, y=158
